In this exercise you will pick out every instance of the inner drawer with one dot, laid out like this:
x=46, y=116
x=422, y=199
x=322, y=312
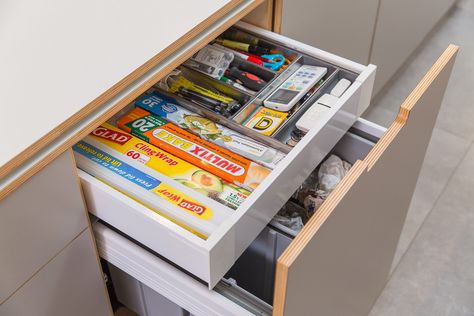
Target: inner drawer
x=223, y=241
x=250, y=282
x=255, y=270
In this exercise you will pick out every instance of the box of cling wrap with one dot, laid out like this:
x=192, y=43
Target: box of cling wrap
x=166, y=164
x=206, y=155
x=175, y=202
x=170, y=109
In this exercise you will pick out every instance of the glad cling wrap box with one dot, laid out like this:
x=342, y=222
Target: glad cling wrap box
x=168, y=165
x=208, y=156
x=170, y=109
x=170, y=199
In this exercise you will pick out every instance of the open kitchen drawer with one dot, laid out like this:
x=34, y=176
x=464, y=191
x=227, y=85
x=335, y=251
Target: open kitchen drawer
x=209, y=259
x=340, y=261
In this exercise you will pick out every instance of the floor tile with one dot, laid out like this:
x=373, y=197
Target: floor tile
x=456, y=115
x=443, y=155
x=380, y=115
x=436, y=275
x=466, y=5
x=405, y=81
x=410, y=74
x=435, y=255
x=457, y=111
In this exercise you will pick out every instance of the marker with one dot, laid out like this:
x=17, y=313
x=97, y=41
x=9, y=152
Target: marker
x=245, y=56
x=253, y=49
x=236, y=85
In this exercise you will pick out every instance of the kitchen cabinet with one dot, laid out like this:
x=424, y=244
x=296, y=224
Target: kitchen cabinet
x=190, y=271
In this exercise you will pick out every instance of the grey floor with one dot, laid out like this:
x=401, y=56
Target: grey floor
x=433, y=272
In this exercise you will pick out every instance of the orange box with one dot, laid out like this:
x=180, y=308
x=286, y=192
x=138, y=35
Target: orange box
x=208, y=156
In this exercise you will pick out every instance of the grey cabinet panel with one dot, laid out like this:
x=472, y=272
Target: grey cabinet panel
x=140, y=298
x=401, y=26
x=38, y=220
x=128, y=290
x=341, y=27
x=71, y=284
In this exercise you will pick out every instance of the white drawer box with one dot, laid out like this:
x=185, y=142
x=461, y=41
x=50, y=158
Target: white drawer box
x=210, y=259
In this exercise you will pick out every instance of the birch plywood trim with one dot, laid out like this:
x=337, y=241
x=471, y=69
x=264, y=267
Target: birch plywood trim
x=75, y=128
x=340, y=261
x=261, y=16
x=277, y=12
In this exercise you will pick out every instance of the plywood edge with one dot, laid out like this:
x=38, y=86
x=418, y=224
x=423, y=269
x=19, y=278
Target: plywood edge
x=407, y=106
x=262, y=16
x=270, y=14
x=36, y=148
x=277, y=14
x=383, y=143
x=279, y=294
x=308, y=232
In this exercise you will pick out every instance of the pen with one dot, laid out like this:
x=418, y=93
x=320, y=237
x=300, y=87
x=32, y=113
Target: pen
x=253, y=49
x=236, y=85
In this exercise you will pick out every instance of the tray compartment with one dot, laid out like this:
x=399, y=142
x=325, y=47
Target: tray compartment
x=284, y=132
x=245, y=113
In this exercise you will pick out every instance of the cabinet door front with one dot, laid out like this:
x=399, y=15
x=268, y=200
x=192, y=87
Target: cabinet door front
x=37, y=220
x=340, y=261
x=70, y=284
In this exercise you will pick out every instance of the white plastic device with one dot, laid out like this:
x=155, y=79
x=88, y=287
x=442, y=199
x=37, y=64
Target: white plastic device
x=321, y=106
x=294, y=88
x=316, y=112
x=340, y=87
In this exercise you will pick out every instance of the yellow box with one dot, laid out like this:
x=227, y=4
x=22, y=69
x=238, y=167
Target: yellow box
x=266, y=121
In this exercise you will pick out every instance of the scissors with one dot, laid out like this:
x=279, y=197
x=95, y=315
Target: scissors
x=273, y=61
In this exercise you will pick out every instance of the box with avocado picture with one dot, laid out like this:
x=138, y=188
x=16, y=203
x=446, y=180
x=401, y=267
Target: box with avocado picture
x=171, y=166
x=191, y=148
